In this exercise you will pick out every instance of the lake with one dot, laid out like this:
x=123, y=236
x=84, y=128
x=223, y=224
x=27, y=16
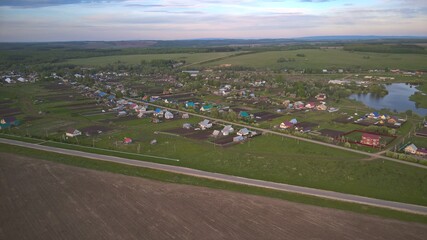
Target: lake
x=397, y=99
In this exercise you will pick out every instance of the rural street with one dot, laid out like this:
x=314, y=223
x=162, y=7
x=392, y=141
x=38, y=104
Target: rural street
x=232, y=179
x=371, y=155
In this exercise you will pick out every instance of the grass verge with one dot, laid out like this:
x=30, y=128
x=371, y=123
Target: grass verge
x=189, y=180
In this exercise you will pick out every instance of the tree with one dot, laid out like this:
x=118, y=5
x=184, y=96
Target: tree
x=119, y=94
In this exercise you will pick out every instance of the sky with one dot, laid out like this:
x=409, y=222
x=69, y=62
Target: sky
x=108, y=20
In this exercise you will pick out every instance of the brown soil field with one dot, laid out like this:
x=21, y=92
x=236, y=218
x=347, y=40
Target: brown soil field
x=343, y=120
x=55, y=86
x=200, y=135
x=93, y=130
x=331, y=133
x=10, y=111
x=306, y=125
x=266, y=116
x=46, y=200
x=180, y=131
x=4, y=102
x=224, y=140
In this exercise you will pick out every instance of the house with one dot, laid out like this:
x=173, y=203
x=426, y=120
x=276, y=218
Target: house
x=216, y=133
x=9, y=121
x=286, y=125
x=299, y=105
x=227, y=130
x=370, y=139
x=244, y=114
x=392, y=120
x=238, y=139
x=243, y=132
x=121, y=113
x=293, y=121
x=154, y=98
x=72, y=132
x=310, y=105
x=168, y=115
x=321, y=97
x=189, y=105
x=374, y=115
x=186, y=126
x=127, y=140
x=206, y=108
x=185, y=116
x=205, y=124
x=111, y=98
x=158, y=112
x=321, y=107
x=411, y=148
x=102, y=94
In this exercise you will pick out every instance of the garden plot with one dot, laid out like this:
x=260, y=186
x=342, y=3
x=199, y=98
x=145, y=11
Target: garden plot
x=266, y=116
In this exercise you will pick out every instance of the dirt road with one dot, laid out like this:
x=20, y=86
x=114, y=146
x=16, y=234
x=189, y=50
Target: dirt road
x=45, y=200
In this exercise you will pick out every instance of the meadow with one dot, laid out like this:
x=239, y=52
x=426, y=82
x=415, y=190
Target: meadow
x=266, y=157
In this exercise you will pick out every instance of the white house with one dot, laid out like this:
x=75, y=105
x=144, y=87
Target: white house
x=72, y=132
x=411, y=149
x=227, y=130
x=168, y=115
x=205, y=124
x=243, y=132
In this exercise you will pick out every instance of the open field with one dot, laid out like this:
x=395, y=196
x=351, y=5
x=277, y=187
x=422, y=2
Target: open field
x=326, y=59
x=189, y=58
x=42, y=200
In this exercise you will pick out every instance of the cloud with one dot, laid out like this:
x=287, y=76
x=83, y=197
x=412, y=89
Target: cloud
x=316, y=1
x=48, y=3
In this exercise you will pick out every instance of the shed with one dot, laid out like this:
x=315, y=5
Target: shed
x=238, y=139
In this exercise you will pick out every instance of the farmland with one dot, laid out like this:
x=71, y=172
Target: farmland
x=326, y=59
x=266, y=157
x=189, y=58
x=137, y=207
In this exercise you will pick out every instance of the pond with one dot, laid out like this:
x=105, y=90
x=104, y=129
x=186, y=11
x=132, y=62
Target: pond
x=396, y=100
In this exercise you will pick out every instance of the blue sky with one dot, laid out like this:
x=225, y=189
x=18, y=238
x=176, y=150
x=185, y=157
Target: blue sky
x=74, y=20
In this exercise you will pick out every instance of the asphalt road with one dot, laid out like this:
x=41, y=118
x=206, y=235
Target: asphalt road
x=371, y=155
x=232, y=179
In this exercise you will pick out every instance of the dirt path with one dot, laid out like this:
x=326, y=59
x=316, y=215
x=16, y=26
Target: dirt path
x=45, y=200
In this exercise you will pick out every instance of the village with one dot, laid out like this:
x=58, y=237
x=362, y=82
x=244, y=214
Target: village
x=310, y=109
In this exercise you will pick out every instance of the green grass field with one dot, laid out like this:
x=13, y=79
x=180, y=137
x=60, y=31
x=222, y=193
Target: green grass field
x=182, y=179
x=189, y=58
x=420, y=98
x=327, y=59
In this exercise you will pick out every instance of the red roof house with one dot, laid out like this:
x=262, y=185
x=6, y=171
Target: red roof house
x=370, y=139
